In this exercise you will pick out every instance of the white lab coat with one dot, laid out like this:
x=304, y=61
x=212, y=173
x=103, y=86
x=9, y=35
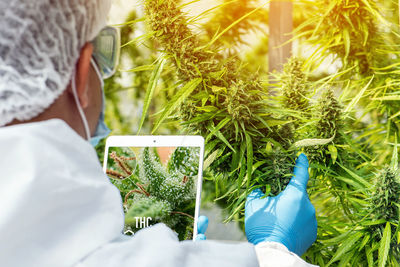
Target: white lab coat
x=58, y=209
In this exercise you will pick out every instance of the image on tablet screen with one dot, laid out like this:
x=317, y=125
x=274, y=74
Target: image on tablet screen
x=157, y=184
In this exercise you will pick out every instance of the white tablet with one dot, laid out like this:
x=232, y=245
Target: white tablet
x=160, y=180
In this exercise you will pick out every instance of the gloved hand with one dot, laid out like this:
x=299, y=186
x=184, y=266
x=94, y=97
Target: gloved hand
x=288, y=218
x=202, y=224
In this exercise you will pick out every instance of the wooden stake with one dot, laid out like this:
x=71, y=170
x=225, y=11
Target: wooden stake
x=280, y=29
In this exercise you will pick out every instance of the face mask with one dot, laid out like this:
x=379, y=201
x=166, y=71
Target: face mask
x=101, y=130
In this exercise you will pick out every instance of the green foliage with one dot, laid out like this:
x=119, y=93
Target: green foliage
x=330, y=115
x=232, y=11
x=384, y=198
x=229, y=107
x=294, y=86
x=347, y=122
x=377, y=223
x=349, y=28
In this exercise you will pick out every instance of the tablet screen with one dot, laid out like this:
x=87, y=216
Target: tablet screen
x=158, y=185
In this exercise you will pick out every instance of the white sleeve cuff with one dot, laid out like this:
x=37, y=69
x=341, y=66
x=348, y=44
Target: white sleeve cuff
x=273, y=254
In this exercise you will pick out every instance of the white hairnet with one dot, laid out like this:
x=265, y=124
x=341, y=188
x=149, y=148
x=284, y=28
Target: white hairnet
x=40, y=42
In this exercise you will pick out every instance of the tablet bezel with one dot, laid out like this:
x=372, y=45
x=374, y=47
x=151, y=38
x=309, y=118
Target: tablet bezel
x=163, y=141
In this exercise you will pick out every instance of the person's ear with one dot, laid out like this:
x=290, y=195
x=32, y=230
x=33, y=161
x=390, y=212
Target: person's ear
x=82, y=74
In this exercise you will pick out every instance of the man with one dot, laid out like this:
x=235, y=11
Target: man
x=57, y=206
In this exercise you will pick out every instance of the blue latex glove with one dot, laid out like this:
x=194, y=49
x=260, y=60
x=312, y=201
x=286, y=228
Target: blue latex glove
x=202, y=224
x=288, y=218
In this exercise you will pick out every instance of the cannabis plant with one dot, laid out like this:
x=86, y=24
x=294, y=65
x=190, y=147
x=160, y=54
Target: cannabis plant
x=346, y=122
x=374, y=239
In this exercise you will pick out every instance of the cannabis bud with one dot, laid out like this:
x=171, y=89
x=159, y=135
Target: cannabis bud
x=294, y=86
x=385, y=198
x=330, y=115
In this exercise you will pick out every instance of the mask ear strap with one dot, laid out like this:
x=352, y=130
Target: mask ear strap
x=78, y=105
x=96, y=69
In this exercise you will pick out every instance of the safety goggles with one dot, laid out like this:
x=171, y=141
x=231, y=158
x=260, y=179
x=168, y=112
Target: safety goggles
x=106, y=51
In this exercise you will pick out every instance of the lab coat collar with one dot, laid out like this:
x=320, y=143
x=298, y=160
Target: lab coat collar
x=56, y=203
